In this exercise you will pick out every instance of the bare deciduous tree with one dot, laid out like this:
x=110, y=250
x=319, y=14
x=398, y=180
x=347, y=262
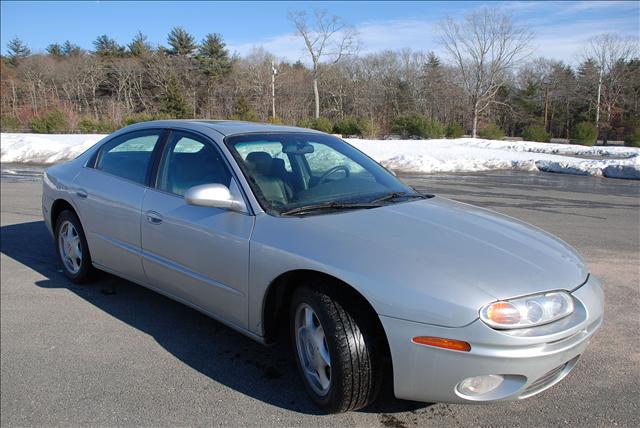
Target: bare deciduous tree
x=326, y=38
x=484, y=46
x=611, y=53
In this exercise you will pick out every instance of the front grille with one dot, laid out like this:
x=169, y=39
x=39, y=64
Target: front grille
x=548, y=379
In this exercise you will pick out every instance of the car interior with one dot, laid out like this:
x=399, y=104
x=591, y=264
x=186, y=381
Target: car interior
x=271, y=176
x=127, y=164
x=185, y=170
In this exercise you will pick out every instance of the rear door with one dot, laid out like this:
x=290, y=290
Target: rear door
x=197, y=254
x=109, y=196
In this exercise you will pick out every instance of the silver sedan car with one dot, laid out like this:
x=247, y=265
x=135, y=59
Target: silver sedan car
x=261, y=226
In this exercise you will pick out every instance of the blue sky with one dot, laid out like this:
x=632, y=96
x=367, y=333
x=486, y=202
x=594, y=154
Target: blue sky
x=561, y=28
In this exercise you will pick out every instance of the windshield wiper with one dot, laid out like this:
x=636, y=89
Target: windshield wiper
x=329, y=206
x=396, y=195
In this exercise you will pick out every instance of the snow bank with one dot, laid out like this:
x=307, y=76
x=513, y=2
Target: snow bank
x=425, y=156
x=44, y=148
x=472, y=155
x=556, y=149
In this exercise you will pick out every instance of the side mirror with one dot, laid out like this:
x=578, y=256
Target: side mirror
x=213, y=195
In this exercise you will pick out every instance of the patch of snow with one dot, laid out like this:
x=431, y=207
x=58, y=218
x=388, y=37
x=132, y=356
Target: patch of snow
x=473, y=155
x=425, y=156
x=44, y=148
x=549, y=148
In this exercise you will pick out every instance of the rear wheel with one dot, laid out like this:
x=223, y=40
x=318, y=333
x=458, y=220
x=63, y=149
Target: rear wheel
x=72, y=248
x=335, y=354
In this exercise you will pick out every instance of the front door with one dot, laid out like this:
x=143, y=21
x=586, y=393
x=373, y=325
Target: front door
x=196, y=254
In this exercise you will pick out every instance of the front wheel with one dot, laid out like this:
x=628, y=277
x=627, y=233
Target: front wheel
x=335, y=355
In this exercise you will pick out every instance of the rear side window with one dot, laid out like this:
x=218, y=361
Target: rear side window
x=129, y=156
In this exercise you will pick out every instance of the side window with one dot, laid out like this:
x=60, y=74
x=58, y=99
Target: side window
x=128, y=156
x=189, y=161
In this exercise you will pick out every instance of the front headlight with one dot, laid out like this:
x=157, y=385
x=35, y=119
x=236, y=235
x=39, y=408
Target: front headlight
x=527, y=311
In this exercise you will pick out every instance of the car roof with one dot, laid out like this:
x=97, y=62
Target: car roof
x=224, y=127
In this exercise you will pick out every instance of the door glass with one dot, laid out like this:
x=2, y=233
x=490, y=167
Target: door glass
x=128, y=156
x=189, y=162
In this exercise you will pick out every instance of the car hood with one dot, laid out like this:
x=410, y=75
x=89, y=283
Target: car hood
x=436, y=261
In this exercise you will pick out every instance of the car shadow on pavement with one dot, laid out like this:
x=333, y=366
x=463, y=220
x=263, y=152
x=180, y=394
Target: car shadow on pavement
x=211, y=348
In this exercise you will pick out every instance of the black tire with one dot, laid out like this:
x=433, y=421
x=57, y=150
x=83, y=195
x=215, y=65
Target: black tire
x=86, y=270
x=355, y=369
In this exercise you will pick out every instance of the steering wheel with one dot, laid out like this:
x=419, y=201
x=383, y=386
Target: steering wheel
x=333, y=170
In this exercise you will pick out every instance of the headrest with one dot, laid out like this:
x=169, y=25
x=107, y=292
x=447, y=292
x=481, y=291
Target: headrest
x=260, y=162
x=278, y=165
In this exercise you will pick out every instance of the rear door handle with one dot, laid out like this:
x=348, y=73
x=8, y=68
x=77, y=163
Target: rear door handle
x=81, y=193
x=153, y=217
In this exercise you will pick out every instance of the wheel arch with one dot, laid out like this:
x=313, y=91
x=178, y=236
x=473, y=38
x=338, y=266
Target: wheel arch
x=278, y=297
x=58, y=206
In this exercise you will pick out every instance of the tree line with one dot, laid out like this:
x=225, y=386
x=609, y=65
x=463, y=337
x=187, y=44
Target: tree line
x=484, y=84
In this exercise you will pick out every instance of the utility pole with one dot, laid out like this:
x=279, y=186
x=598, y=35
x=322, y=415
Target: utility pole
x=274, y=71
x=598, y=106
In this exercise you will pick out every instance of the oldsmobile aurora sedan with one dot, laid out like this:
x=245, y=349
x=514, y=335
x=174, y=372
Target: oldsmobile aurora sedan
x=260, y=226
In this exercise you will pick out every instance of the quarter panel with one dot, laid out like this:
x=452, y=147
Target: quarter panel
x=110, y=216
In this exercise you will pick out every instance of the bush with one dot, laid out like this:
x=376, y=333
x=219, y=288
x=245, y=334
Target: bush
x=351, y=126
x=320, y=124
x=536, y=132
x=9, y=123
x=633, y=137
x=347, y=126
x=454, y=130
x=585, y=134
x=369, y=128
x=145, y=117
x=247, y=116
x=274, y=120
x=51, y=122
x=417, y=125
x=491, y=132
x=89, y=125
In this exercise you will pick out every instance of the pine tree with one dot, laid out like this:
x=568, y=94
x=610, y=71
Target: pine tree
x=242, y=110
x=55, y=50
x=241, y=106
x=181, y=42
x=17, y=51
x=587, y=80
x=174, y=103
x=432, y=60
x=213, y=56
x=139, y=46
x=107, y=47
x=70, y=49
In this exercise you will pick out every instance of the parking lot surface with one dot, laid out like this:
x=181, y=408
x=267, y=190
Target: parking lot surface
x=114, y=353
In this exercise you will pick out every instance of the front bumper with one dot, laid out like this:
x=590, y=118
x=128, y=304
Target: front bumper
x=530, y=360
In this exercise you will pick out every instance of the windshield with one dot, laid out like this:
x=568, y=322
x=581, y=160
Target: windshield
x=290, y=171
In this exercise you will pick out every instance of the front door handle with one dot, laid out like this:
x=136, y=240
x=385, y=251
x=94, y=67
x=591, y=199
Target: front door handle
x=153, y=217
x=81, y=193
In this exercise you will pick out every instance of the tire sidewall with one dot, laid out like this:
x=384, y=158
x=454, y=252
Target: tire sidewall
x=314, y=299
x=85, y=266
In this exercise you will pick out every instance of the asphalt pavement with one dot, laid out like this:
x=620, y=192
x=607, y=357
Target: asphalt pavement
x=116, y=354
